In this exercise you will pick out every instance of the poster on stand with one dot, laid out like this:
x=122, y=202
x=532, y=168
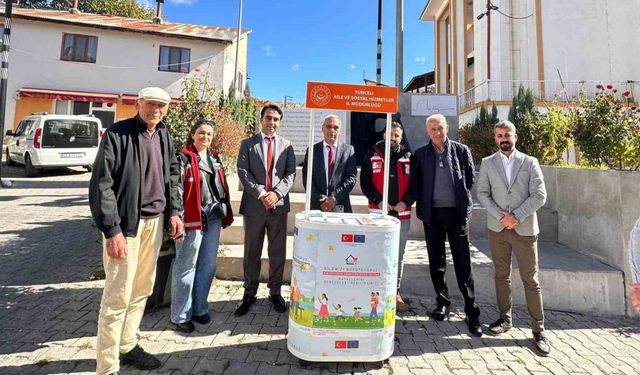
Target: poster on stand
x=343, y=287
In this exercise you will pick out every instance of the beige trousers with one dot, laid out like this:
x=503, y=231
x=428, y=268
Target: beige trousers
x=502, y=244
x=128, y=283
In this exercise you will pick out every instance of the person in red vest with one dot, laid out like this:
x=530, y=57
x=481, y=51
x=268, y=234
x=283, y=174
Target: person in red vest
x=400, y=198
x=207, y=209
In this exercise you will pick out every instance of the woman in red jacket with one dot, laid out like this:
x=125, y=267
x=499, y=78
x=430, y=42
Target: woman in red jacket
x=207, y=209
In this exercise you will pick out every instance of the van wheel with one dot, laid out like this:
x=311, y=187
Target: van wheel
x=89, y=168
x=29, y=169
x=10, y=162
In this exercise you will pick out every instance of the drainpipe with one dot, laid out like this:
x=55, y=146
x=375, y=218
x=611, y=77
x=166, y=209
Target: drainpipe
x=158, y=18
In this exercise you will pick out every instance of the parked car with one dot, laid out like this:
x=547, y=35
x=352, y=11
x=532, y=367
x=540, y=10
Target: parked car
x=44, y=140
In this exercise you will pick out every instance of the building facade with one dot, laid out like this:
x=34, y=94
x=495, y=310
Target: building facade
x=68, y=63
x=559, y=49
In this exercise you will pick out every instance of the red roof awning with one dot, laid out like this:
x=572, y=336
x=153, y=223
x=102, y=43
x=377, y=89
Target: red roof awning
x=79, y=96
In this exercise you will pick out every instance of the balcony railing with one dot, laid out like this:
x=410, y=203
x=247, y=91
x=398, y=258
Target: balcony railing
x=550, y=91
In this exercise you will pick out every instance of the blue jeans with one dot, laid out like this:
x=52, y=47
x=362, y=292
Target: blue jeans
x=193, y=272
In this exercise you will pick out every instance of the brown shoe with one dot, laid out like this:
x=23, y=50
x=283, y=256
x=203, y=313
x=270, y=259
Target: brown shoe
x=401, y=305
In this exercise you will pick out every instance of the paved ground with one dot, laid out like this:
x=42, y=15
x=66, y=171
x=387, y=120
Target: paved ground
x=48, y=312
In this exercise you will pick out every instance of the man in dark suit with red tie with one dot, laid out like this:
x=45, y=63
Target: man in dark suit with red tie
x=266, y=168
x=334, y=170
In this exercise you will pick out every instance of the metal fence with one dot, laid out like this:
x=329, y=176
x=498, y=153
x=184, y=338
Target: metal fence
x=548, y=90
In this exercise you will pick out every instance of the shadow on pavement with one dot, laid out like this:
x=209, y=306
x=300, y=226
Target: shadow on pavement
x=79, y=200
x=51, y=252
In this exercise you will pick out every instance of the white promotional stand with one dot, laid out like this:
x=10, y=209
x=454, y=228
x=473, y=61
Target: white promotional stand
x=343, y=282
x=344, y=277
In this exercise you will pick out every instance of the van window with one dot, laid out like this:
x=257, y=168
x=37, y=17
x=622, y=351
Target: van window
x=70, y=133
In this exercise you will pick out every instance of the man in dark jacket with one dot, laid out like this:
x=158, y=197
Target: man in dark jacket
x=334, y=170
x=443, y=175
x=400, y=198
x=133, y=195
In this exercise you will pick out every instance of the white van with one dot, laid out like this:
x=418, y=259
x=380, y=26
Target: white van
x=46, y=140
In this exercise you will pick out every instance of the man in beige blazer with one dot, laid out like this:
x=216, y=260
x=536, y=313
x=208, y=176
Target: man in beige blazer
x=511, y=189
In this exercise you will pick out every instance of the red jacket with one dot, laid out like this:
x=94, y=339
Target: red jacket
x=403, y=175
x=192, y=197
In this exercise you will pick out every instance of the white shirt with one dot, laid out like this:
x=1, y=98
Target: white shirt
x=265, y=147
x=507, y=163
x=265, y=150
x=325, y=148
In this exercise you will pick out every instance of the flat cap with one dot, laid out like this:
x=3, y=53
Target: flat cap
x=155, y=94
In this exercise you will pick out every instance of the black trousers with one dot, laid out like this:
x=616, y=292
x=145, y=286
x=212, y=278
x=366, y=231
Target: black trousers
x=255, y=227
x=445, y=224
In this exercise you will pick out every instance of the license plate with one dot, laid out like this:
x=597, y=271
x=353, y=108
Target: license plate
x=72, y=155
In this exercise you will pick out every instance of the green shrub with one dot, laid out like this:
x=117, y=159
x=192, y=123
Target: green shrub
x=544, y=136
x=479, y=135
x=606, y=130
x=200, y=100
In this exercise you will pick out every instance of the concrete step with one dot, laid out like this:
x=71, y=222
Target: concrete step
x=570, y=280
x=547, y=219
x=229, y=264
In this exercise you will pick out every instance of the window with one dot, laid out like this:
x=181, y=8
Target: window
x=174, y=59
x=106, y=112
x=81, y=48
x=70, y=133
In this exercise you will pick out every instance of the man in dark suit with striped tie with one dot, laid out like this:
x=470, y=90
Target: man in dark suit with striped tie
x=334, y=170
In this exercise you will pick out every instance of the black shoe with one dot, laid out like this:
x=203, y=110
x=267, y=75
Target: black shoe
x=440, y=313
x=278, y=303
x=140, y=359
x=541, y=343
x=186, y=327
x=202, y=319
x=500, y=326
x=243, y=308
x=475, y=328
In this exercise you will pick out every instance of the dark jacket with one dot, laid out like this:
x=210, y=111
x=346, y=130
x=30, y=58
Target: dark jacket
x=116, y=181
x=423, y=164
x=342, y=181
x=366, y=176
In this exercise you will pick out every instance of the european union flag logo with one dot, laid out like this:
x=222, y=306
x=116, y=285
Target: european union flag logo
x=353, y=344
x=358, y=238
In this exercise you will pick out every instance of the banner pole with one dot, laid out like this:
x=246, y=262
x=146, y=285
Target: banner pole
x=387, y=160
x=309, y=165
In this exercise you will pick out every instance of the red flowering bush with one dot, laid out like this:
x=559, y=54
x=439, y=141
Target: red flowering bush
x=607, y=129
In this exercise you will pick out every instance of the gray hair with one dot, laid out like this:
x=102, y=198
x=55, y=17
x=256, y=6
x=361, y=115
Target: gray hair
x=439, y=118
x=332, y=116
x=506, y=124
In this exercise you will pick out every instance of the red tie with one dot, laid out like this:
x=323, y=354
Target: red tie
x=331, y=163
x=269, y=162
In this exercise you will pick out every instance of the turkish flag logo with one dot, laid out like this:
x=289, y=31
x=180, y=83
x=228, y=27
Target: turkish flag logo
x=347, y=238
x=340, y=344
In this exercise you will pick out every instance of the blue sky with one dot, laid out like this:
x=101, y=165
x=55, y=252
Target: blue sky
x=295, y=41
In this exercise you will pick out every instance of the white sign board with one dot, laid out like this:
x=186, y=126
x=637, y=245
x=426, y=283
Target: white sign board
x=430, y=104
x=295, y=126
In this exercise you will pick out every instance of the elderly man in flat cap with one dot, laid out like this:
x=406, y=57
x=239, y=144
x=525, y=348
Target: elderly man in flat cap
x=133, y=196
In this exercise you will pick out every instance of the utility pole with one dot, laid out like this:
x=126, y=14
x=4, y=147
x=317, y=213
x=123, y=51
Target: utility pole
x=4, y=75
x=235, y=70
x=399, y=44
x=490, y=7
x=488, y=40
x=379, y=56
x=285, y=100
